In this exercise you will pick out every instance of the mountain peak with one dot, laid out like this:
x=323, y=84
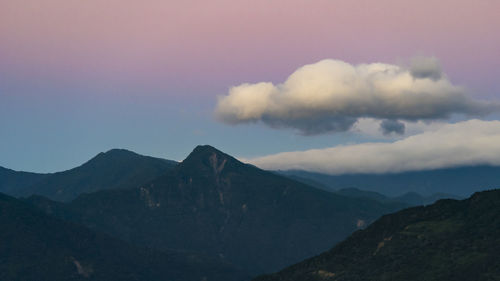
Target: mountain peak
x=206, y=151
x=208, y=158
x=110, y=157
x=119, y=150
x=205, y=148
x=114, y=169
x=116, y=152
x=115, y=155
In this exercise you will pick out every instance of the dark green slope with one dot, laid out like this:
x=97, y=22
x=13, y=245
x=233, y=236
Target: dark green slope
x=214, y=204
x=34, y=246
x=117, y=168
x=449, y=240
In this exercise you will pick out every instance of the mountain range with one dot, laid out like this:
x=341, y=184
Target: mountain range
x=212, y=217
x=216, y=205
x=409, y=198
x=459, y=181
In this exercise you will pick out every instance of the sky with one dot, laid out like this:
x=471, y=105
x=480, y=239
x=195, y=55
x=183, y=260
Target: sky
x=252, y=78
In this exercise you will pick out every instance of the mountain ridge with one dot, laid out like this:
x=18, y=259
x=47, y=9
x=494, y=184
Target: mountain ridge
x=460, y=181
x=410, y=198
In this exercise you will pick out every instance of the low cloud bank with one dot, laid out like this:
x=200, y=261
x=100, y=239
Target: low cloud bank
x=466, y=143
x=332, y=95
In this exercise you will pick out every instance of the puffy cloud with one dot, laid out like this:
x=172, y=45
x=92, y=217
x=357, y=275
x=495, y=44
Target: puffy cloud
x=331, y=95
x=466, y=143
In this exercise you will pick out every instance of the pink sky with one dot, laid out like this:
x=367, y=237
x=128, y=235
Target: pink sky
x=211, y=45
x=82, y=76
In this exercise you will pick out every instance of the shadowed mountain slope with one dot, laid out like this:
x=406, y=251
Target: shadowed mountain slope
x=214, y=204
x=449, y=240
x=37, y=247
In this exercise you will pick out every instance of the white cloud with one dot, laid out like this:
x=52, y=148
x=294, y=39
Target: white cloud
x=465, y=143
x=331, y=95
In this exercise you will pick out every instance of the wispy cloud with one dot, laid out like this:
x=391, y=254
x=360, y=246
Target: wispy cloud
x=332, y=95
x=464, y=143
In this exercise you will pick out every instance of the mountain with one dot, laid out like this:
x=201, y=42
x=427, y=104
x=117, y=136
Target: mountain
x=460, y=181
x=214, y=204
x=115, y=169
x=38, y=247
x=449, y=240
x=409, y=198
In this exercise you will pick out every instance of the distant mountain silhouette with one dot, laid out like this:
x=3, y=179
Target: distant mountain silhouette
x=214, y=204
x=37, y=247
x=461, y=181
x=449, y=240
x=415, y=199
x=409, y=198
x=117, y=168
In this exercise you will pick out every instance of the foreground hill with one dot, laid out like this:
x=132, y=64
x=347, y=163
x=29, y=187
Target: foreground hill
x=214, y=204
x=117, y=168
x=460, y=181
x=449, y=240
x=37, y=247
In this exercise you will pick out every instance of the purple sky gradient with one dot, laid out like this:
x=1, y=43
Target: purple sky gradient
x=75, y=74
x=214, y=44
